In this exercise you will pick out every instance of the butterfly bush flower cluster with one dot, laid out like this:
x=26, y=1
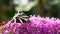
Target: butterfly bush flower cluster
x=37, y=25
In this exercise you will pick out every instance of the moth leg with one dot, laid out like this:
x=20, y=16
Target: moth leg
x=21, y=21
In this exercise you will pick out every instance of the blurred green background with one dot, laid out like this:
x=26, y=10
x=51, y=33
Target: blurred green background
x=45, y=8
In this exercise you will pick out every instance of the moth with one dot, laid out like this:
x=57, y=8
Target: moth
x=21, y=6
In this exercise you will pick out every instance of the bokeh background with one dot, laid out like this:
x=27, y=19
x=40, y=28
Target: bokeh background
x=45, y=8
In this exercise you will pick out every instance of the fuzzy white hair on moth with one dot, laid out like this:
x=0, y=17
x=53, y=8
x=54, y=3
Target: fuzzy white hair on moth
x=24, y=5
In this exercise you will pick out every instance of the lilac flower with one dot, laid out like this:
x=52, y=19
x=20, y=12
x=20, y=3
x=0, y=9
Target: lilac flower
x=37, y=25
